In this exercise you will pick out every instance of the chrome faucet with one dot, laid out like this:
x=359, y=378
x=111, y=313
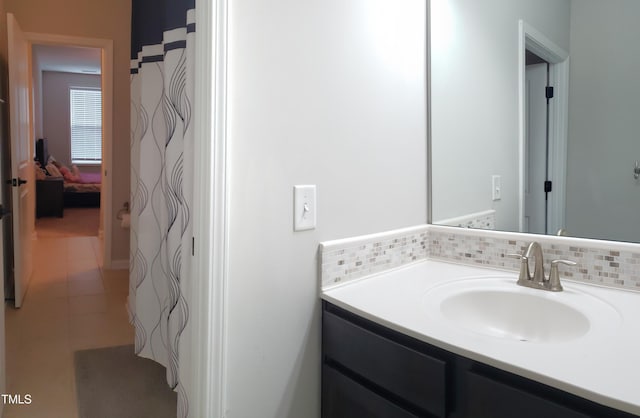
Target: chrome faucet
x=537, y=280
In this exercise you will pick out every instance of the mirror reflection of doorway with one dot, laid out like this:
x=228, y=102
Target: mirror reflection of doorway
x=546, y=214
x=537, y=183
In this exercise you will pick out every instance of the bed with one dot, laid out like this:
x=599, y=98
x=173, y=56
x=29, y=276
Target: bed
x=85, y=193
x=80, y=189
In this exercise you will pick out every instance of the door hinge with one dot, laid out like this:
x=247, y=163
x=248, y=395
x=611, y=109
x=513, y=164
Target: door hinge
x=547, y=186
x=548, y=92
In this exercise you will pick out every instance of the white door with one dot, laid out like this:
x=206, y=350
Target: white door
x=536, y=149
x=3, y=379
x=21, y=157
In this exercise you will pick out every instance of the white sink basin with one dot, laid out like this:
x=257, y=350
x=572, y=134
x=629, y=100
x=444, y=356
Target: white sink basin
x=497, y=307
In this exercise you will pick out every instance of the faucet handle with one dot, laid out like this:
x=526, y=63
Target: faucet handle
x=554, y=275
x=524, y=267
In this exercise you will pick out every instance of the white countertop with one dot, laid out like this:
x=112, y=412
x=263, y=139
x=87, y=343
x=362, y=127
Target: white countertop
x=603, y=367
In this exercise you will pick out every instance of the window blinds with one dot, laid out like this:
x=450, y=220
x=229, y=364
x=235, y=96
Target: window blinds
x=86, y=126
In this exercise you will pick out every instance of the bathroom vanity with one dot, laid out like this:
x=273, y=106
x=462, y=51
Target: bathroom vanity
x=397, y=344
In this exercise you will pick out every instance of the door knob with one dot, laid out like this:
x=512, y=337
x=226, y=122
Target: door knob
x=17, y=182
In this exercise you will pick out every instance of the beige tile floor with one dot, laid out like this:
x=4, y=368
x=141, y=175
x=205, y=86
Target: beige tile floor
x=71, y=304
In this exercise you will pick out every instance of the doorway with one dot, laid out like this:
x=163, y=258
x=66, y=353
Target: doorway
x=103, y=54
x=104, y=48
x=68, y=116
x=537, y=184
x=550, y=200
x=72, y=303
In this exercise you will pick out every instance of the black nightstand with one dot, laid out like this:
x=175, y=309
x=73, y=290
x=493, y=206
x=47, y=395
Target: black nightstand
x=49, y=197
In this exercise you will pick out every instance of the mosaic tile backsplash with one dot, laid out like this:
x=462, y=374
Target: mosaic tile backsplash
x=345, y=260
x=609, y=267
x=609, y=264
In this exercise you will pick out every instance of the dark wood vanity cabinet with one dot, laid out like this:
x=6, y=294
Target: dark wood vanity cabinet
x=413, y=379
x=370, y=371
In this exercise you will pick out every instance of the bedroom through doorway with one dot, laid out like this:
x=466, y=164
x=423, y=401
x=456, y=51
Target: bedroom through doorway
x=67, y=95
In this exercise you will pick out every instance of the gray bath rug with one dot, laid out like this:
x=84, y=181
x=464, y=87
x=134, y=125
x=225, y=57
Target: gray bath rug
x=114, y=382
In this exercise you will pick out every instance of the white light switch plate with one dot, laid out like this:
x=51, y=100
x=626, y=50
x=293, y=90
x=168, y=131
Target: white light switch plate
x=496, y=187
x=304, y=207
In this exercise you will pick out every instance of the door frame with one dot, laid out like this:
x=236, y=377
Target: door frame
x=533, y=40
x=207, y=383
x=106, y=80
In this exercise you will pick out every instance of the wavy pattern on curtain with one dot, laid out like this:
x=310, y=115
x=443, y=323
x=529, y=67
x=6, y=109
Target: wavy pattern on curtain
x=163, y=36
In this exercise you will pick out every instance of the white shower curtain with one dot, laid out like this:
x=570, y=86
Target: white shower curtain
x=162, y=73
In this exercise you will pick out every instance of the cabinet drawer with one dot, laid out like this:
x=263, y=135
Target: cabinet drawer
x=488, y=398
x=344, y=398
x=415, y=377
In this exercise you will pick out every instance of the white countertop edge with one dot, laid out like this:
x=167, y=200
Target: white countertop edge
x=577, y=390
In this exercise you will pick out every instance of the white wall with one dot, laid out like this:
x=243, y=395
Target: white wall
x=474, y=78
x=322, y=92
x=56, y=114
x=603, y=198
x=36, y=79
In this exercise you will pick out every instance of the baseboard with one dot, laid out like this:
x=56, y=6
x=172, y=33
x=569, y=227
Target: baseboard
x=122, y=264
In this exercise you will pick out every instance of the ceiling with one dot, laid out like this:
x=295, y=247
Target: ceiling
x=68, y=59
